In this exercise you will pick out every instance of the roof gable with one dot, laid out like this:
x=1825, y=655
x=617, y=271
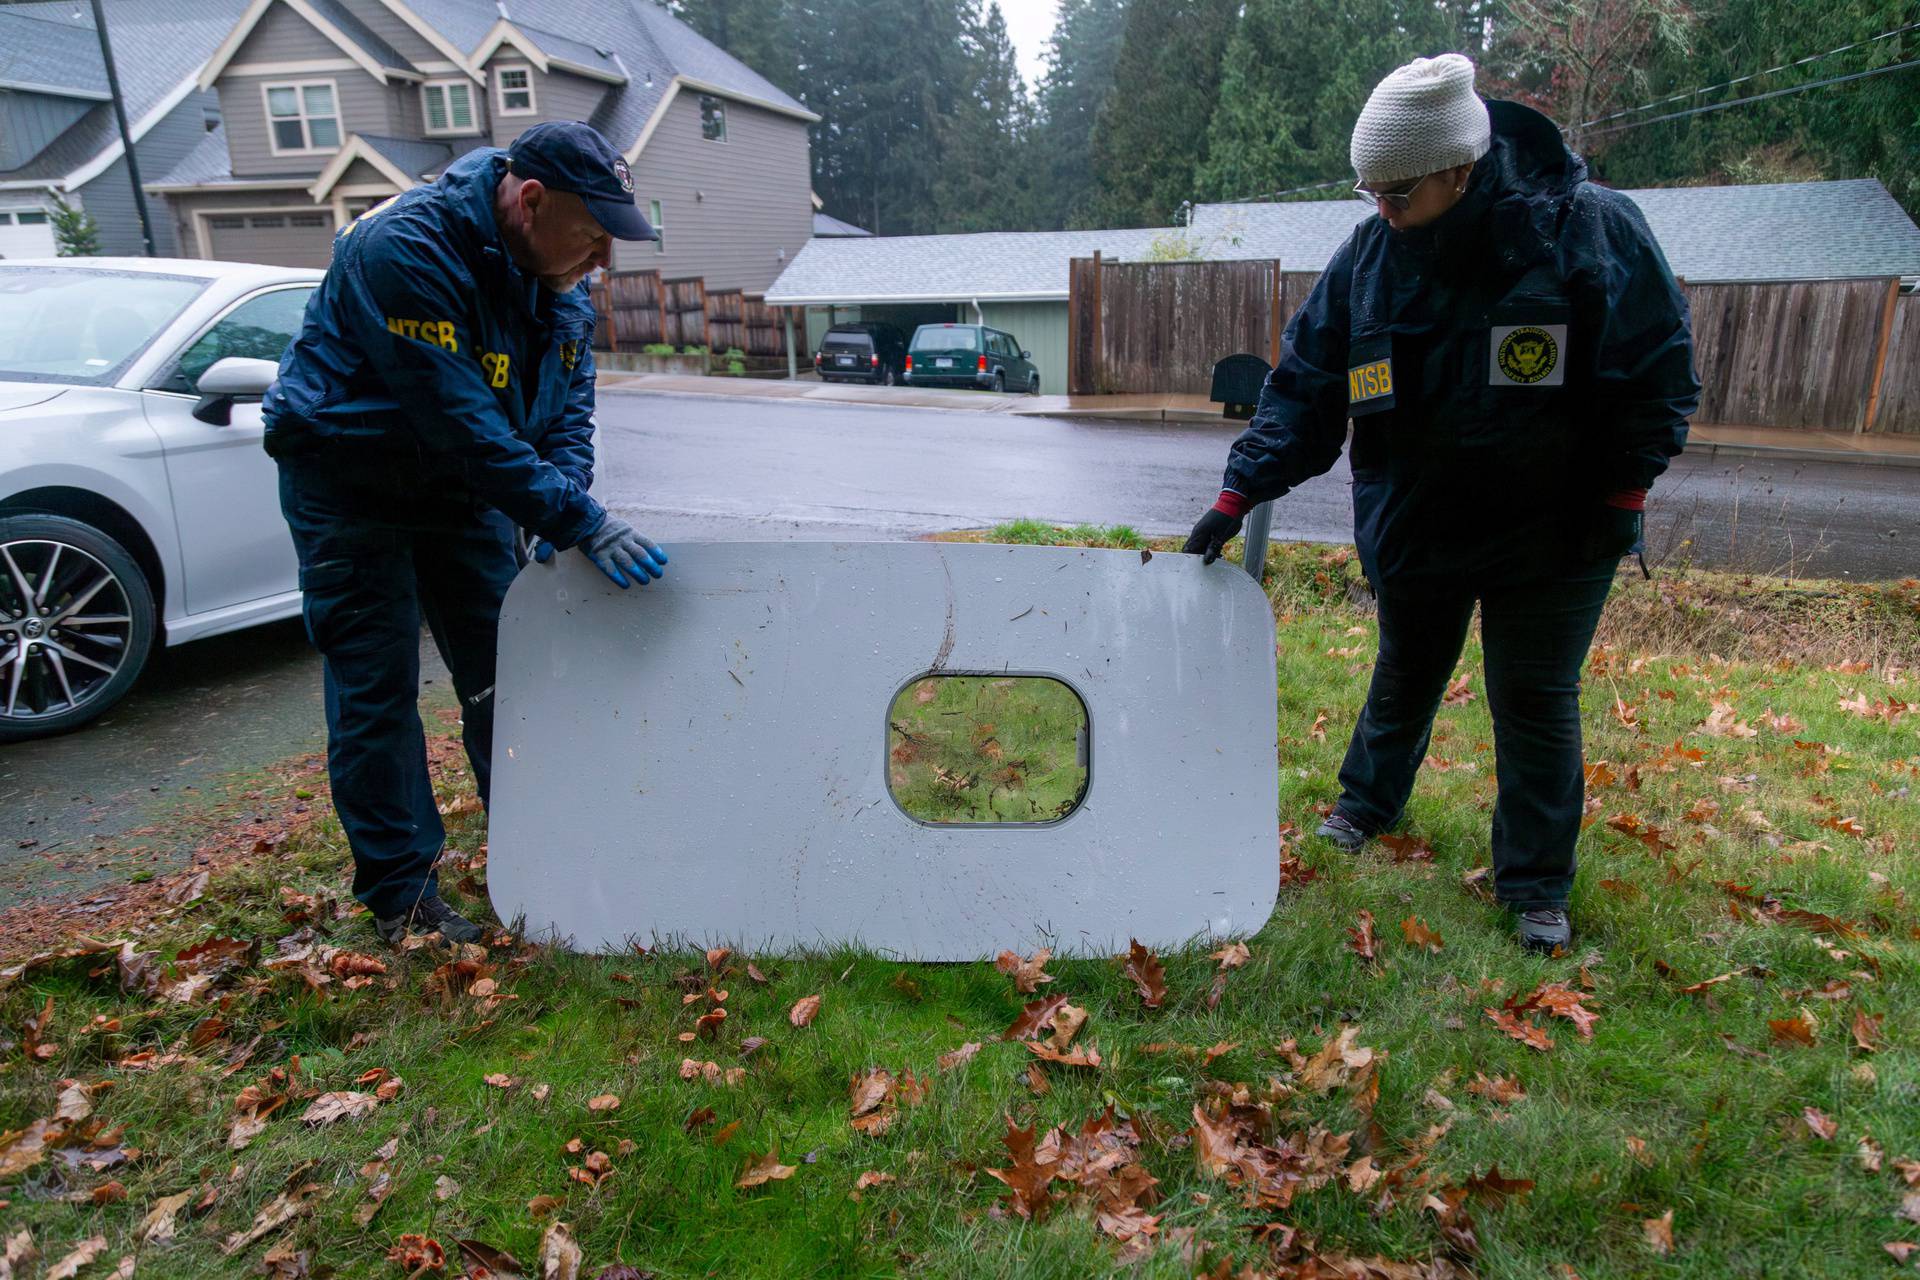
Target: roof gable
x=333, y=20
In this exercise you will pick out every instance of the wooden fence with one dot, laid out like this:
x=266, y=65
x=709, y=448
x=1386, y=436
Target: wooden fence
x=1827, y=355
x=638, y=309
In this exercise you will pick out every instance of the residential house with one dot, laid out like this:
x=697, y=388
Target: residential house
x=1018, y=281
x=59, y=140
x=331, y=106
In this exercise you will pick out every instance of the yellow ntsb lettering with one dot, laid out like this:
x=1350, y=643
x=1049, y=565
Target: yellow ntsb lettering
x=438, y=332
x=498, y=367
x=1370, y=381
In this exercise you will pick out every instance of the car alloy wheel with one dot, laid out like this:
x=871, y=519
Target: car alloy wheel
x=76, y=623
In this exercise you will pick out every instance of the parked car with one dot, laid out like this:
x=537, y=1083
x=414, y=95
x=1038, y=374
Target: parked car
x=875, y=353
x=970, y=355
x=136, y=505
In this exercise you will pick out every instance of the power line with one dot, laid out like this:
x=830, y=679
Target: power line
x=1759, y=97
x=1728, y=84
x=1678, y=97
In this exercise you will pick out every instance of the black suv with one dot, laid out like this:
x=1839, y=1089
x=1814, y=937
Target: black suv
x=875, y=353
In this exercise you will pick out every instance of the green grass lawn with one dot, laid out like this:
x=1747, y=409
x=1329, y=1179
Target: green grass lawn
x=978, y=749
x=1753, y=828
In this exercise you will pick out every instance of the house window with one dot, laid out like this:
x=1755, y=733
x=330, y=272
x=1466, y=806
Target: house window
x=6, y=219
x=655, y=216
x=449, y=106
x=713, y=118
x=302, y=117
x=31, y=218
x=516, y=90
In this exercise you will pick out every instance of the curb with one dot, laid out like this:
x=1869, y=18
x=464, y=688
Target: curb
x=1699, y=445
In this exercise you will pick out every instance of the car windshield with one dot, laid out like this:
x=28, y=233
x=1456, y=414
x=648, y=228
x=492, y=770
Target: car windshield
x=66, y=324
x=943, y=337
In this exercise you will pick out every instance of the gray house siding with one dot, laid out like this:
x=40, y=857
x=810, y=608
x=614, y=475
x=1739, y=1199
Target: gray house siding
x=282, y=35
x=29, y=122
x=109, y=197
x=407, y=42
x=560, y=96
x=365, y=105
x=730, y=208
x=1041, y=328
x=360, y=173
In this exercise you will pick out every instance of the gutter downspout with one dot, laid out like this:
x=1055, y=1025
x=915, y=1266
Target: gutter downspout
x=979, y=316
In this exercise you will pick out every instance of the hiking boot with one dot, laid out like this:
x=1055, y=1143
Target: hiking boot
x=1342, y=832
x=429, y=915
x=1546, y=930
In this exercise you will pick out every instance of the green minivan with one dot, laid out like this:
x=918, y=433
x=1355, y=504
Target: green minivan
x=969, y=355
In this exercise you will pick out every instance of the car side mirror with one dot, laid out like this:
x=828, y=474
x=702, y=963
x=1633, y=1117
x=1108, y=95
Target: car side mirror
x=1026, y=355
x=230, y=379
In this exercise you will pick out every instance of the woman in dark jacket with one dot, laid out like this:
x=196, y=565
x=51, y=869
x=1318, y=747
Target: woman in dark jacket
x=1515, y=358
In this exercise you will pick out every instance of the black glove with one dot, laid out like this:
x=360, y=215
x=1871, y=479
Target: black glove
x=1611, y=532
x=1211, y=534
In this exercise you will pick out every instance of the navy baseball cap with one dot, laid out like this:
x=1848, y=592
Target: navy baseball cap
x=566, y=155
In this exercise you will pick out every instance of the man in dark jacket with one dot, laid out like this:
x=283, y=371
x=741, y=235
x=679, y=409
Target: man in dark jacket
x=1516, y=361
x=439, y=393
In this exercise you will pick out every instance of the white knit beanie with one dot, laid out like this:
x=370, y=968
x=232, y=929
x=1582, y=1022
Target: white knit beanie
x=1421, y=119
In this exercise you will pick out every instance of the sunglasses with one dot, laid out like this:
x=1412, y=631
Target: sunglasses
x=1397, y=200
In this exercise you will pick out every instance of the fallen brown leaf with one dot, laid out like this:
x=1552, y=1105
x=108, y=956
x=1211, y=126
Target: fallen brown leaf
x=1866, y=1030
x=1525, y=1032
x=1659, y=1232
x=1148, y=975
x=605, y=1102
x=804, y=1011
x=960, y=1056
x=341, y=1105
x=762, y=1169
x=82, y=1255
x=1819, y=1123
x=417, y=1254
x=1360, y=939
x=560, y=1257
x=1418, y=935
x=1027, y=974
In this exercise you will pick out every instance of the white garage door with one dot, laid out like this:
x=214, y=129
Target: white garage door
x=302, y=238
x=26, y=233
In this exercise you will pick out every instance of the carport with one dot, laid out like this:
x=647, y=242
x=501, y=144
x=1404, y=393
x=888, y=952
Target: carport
x=1015, y=281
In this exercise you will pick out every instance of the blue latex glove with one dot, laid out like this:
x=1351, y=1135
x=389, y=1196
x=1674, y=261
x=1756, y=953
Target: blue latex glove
x=618, y=550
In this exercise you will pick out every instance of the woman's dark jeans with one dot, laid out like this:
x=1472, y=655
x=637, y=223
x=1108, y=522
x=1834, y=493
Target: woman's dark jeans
x=1535, y=638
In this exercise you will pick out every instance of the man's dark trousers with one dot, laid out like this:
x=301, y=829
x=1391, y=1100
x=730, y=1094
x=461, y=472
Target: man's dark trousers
x=1535, y=637
x=380, y=550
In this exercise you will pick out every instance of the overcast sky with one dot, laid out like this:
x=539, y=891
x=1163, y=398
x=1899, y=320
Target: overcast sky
x=1029, y=23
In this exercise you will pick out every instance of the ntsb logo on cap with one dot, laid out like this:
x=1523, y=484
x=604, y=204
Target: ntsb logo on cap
x=567, y=155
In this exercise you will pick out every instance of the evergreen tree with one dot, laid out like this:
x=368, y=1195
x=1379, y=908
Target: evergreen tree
x=983, y=181
x=75, y=233
x=1863, y=129
x=1151, y=133
x=1297, y=73
x=1080, y=59
x=758, y=32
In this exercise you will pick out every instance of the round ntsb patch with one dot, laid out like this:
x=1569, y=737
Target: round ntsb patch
x=1528, y=354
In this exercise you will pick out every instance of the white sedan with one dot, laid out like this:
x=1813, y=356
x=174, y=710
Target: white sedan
x=136, y=505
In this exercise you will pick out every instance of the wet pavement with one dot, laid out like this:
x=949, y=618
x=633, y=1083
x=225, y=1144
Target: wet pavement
x=685, y=468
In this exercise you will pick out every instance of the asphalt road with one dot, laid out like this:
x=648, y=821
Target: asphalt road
x=687, y=468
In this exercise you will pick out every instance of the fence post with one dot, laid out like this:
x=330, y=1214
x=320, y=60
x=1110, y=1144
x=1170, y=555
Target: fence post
x=793, y=367
x=1093, y=357
x=1273, y=317
x=1259, y=525
x=1880, y=357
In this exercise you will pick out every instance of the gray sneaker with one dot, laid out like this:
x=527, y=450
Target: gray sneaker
x=1547, y=930
x=1342, y=832
x=429, y=915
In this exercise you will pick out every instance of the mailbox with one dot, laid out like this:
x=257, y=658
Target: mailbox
x=1236, y=384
